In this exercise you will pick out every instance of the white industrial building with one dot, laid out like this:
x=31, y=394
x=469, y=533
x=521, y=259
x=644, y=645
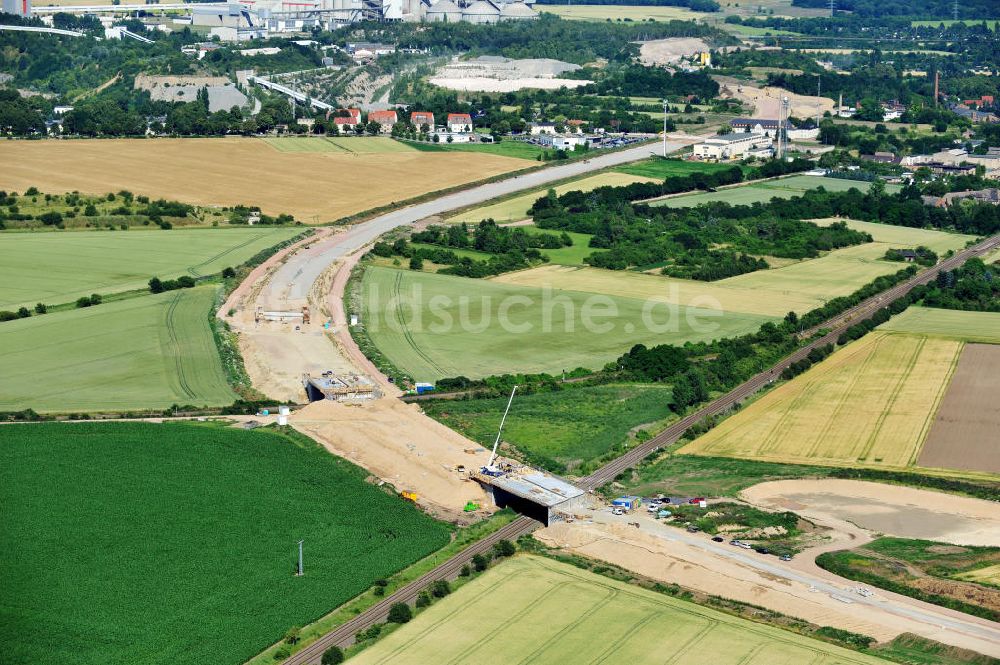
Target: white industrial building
x=738, y=145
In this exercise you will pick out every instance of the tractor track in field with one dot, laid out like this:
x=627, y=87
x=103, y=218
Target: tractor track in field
x=193, y=270
x=344, y=634
x=175, y=345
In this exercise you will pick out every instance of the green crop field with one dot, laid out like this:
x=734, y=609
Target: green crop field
x=433, y=325
x=57, y=267
x=659, y=168
x=516, y=208
x=559, y=429
x=947, y=323
x=534, y=610
x=175, y=544
x=147, y=352
x=784, y=188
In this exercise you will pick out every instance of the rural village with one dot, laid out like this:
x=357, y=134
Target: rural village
x=500, y=331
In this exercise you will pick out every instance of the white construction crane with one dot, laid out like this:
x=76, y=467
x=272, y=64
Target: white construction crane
x=489, y=469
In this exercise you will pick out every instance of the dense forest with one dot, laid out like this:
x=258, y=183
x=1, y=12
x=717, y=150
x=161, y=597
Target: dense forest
x=974, y=286
x=579, y=42
x=917, y=9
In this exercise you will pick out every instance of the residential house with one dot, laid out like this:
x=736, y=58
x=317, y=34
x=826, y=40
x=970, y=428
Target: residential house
x=880, y=158
x=347, y=119
x=385, y=119
x=459, y=122
x=421, y=119
x=991, y=195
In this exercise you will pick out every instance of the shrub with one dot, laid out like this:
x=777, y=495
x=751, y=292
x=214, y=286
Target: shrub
x=480, y=562
x=83, y=301
x=155, y=285
x=416, y=263
x=282, y=653
x=40, y=308
x=7, y=315
x=504, y=548
x=423, y=599
x=31, y=191
x=400, y=613
x=332, y=656
x=440, y=588
x=23, y=313
x=228, y=272
x=466, y=571
x=293, y=635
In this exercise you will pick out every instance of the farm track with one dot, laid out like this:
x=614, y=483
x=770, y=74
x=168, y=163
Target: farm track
x=344, y=634
x=175, y=345
x=193, y=270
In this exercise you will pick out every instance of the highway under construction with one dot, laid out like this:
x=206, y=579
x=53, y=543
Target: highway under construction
x=533, y=488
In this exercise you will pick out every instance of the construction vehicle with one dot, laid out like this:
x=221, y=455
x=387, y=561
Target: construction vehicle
x=409, y=496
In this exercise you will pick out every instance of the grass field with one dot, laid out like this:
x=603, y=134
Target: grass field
x=727, y=294
x=455, y=326
x=784, y=188
x=566, y=427
x=157, y=544
x=146, y=352
x=659, y=168
x=60, y=267
x=790, y=286
x=540, y=611
x=947, y=324
x=247, y=171
x=572, y=255
x=621, y=12
x=870, y=404
x=516, y=208
x=518, y=149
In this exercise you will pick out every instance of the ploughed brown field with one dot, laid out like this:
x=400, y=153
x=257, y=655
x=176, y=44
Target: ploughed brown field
x=965, y=433
x=315, y=187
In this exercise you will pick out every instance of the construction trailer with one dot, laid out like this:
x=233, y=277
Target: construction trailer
x=627, y=503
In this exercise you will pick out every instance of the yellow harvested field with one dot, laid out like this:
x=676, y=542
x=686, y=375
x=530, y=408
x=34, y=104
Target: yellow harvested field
x=315, y=187
x=989, y=575
x=904, y=236
x=788, y=286
x=516, y=208
x=615, y=12
x=642, y=286
x=869, y=404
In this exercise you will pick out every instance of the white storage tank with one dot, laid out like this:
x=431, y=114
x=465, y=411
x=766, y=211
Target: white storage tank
x=517, y=11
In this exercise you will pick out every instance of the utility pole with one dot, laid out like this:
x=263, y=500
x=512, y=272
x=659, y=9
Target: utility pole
x=666, y=105
x=833, y=8
x=300, y=571
x=954, y=9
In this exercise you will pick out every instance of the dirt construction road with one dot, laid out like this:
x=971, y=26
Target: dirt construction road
x=797, y=588
x=393, y=441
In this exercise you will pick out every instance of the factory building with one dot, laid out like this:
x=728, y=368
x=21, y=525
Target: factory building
x=19, y=7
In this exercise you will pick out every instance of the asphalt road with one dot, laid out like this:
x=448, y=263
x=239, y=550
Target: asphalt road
x=296, y=277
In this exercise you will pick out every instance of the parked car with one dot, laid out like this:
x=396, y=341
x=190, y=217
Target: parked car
x=786, y=557
x=736, y=543
x=617, y=511
x=762, y=550
x=718, y=539
x=696, y=500
x=693, y=528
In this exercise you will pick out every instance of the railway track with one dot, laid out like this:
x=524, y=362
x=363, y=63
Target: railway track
x=837, y=325
x=344, y=634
